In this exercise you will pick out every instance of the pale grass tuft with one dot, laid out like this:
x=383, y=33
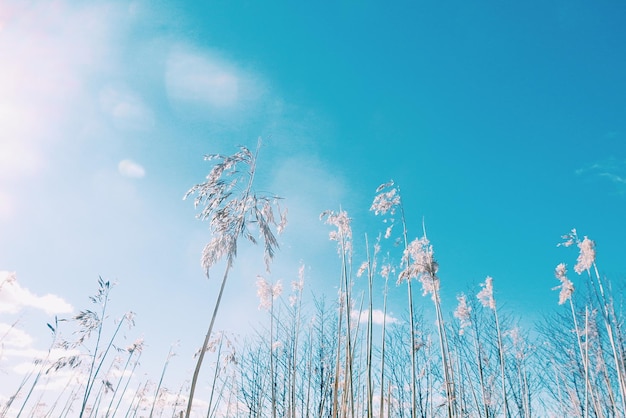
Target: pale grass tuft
x=485, y=296
x=136, y=346
x=587, y=247
x=462, y=313
x=385, y=270
x=569, y=239
x=231, y=208
x=343, y=234
x=586, y=257
x=566, y=286
x=296, y=287
x=420, y=264
x=386, y=202
x=267, y=292
x=362, y=269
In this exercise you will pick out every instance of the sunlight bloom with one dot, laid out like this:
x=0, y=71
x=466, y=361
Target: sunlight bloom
x=587, y=255
x=566, y=286
x=462, y=313
x=485, y=296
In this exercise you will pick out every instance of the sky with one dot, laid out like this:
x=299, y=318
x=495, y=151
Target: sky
x=503, y=123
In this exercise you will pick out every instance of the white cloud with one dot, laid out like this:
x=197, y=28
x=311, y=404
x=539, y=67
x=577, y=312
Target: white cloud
x=201, y=85
x=14, y=337
x=127, y=109
x=610, y=169
x=14, y=297
x=199, y=78
x=377, y=317
x=129, y=168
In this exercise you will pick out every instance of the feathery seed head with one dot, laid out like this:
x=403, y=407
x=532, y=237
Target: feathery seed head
x=386, y=201
x=569, y=239
x=343, y=234
x=298, y=285
x=485, y=296
x=230, y=205
x=560, y=271
x=462, y=313
x=566, y=286
x=277, y=345
x=587, y=255
x=135, y=346
x=419, y=263
x=267, y=293
x=385, y=270
x=362, y=268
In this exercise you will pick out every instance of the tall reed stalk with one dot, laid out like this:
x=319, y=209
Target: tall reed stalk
x=230, y=218
x=487, y=299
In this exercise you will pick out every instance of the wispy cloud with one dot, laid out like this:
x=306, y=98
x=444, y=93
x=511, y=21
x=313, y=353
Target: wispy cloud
x=129, y=168
x=14, y=297
x=200, y=78
x=14, y=337
x=611, y=169
x=127, y=109
x=200, y=83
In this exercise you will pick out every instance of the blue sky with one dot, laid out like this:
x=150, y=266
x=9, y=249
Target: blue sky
x=503, y=123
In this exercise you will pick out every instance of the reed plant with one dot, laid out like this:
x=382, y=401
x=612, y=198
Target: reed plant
x=323, y=357
x=231, y=206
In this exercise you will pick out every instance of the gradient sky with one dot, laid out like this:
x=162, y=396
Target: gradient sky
x=503, y=123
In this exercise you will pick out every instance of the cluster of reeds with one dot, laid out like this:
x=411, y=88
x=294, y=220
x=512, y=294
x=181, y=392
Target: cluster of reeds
x=348, y=357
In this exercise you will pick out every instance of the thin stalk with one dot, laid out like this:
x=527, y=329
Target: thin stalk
x=481, y=376
x=474, y=396
x=158, y=389
x=586, y=362
x=607, y=322
x=119, y=382
x=370, y=279
x=584, y=357
x=382, y=350
x=272, y=371
x=502, y=363
x=196, y=372
x=348, y=389
x=91, y=377
x=411, y=323
x=132, y=372
x=217, y=368
x=448, y=383
x=43, y=365
x=294, y=354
